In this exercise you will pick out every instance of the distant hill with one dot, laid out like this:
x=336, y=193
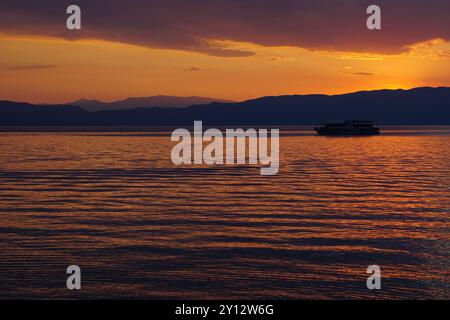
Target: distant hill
x=24, y=114
x=144, y=102
x=420, y=106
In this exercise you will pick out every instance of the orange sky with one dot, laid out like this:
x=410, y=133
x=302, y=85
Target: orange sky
x=44, y=69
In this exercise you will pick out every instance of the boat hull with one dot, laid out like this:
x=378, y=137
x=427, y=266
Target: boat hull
x=327, y=132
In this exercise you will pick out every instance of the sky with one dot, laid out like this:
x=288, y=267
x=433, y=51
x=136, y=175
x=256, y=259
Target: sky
x=230, y=49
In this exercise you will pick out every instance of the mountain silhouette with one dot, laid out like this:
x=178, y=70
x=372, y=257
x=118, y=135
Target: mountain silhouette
x=26, y=114
x=144, y=102
x=419, y=106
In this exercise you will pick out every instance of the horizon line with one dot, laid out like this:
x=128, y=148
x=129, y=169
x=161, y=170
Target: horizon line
x=229, y=100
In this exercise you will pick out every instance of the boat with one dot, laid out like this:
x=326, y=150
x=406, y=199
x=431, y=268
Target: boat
x=348, y=128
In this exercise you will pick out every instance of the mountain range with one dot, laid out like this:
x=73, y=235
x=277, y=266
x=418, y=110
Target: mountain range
x=144, y=102
x=419, y=106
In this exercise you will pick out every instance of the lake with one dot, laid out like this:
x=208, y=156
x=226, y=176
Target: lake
x=111, y=201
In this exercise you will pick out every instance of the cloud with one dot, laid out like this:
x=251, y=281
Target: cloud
x=192, y=69
x=338, y=25
x=360, y=73
x=32, y=67
x=444, y=54
x=280, y=59
x=362, y=57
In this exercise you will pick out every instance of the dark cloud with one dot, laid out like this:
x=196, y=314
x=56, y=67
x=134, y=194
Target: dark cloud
x=32, y=67
x=193, y=25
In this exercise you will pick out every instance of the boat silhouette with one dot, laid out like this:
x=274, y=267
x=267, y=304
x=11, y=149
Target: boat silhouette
x=348, y=128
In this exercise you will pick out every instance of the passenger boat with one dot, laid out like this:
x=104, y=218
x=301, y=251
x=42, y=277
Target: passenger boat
x=348, y=128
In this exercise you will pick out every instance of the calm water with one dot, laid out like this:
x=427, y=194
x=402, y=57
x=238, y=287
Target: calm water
x=139, y=227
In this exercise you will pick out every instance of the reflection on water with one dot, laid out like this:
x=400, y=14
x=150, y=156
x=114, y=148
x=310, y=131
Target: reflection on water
x=140, y=227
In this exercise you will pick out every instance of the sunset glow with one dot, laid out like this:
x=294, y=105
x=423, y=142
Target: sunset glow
x=56, y=71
